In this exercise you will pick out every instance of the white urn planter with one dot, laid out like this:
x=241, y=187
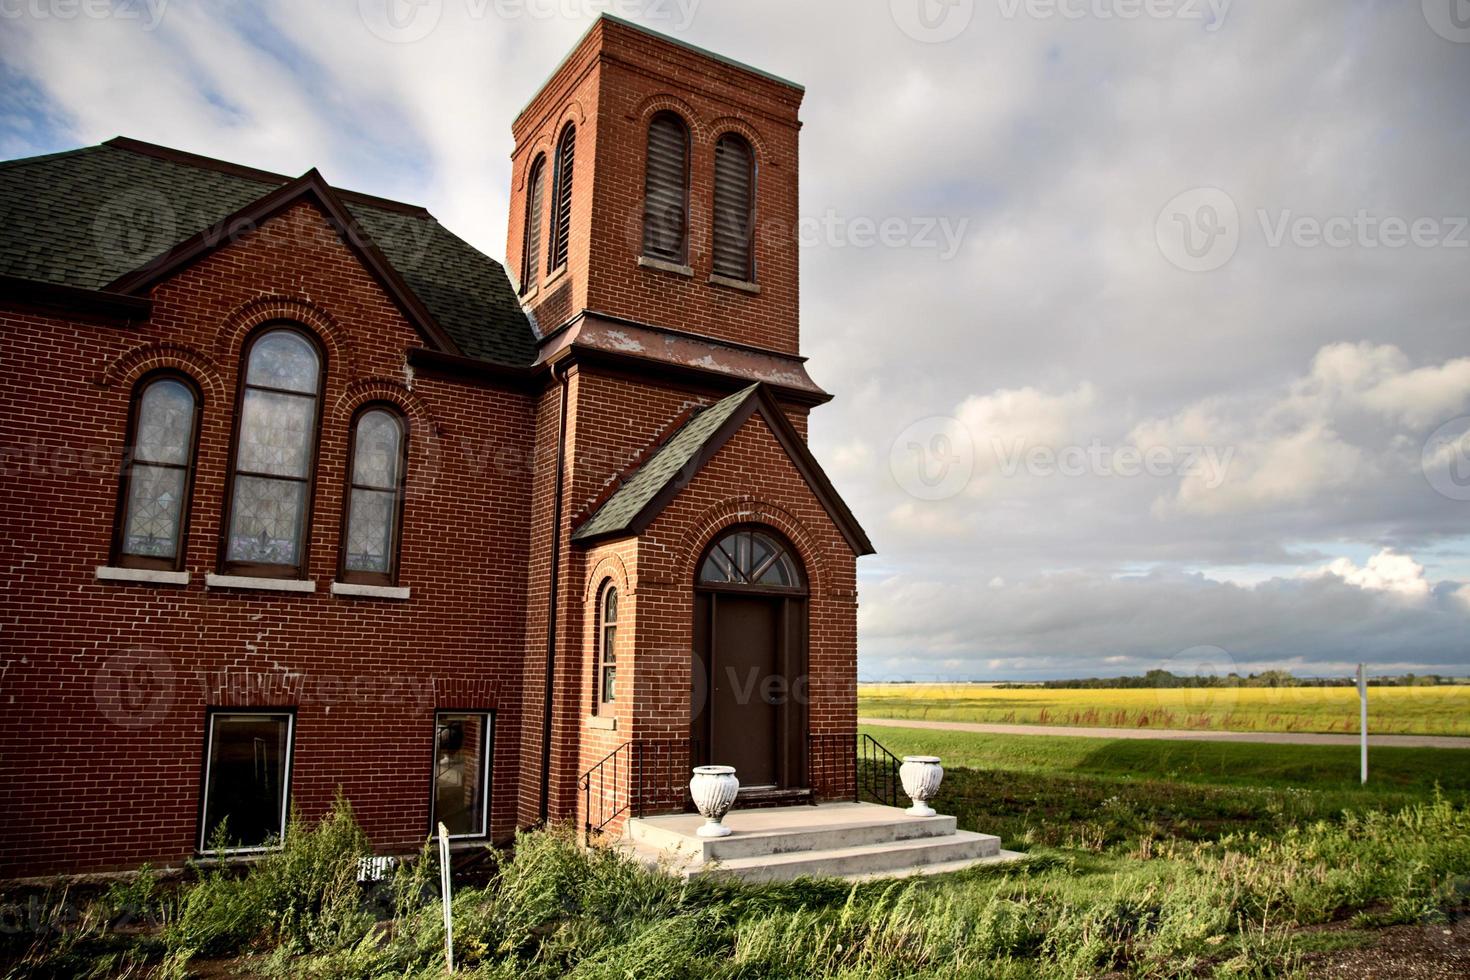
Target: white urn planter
x=921, y=775
x=713, y=789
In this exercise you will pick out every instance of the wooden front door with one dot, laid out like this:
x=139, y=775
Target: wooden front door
x=750, y=631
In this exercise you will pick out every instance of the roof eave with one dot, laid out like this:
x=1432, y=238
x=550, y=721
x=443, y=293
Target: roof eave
x=760, y=399
x=49, y=298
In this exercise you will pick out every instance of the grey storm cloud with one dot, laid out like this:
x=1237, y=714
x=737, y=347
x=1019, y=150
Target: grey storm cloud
x=1055, y=255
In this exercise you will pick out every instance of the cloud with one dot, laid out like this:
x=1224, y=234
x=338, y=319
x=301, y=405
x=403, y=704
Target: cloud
x=1316, y=374
x=1354, y=424
x=1085, y=623
x=1384, y=572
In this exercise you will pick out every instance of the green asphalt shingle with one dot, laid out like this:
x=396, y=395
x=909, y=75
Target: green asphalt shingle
x=86, y=217
x=666, y=465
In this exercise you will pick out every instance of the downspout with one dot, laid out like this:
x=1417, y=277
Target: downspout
x=551, y=595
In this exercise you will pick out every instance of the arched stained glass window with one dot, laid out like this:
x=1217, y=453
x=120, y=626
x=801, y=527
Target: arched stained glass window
x=607, y=654
x=275, y=455
x=157, y=473
x=374, y=497
x=750, y=558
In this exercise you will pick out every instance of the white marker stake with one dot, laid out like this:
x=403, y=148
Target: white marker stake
x=444, y=891
x=1363, y=718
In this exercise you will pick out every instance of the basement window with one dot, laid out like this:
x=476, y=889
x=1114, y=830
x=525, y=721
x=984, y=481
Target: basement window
x=462, y=745
x=247, y=779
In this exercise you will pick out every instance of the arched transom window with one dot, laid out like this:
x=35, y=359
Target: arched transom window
x=751, y=559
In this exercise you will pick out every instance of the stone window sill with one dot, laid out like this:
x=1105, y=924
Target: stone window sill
x=141, y=576
x=740, y=284
x=251, y=582
x=398, y=593
x=602, y=722
x=556, y=276
x=663, y=265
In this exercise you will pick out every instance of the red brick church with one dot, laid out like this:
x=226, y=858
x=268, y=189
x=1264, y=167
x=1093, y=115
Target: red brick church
x=305, y=494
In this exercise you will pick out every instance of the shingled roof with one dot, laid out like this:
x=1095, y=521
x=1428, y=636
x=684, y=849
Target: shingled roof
x=86, y=218
x=645, y=493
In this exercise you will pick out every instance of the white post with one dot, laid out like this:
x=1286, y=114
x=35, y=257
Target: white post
x=1363, y=719
x=444, y=891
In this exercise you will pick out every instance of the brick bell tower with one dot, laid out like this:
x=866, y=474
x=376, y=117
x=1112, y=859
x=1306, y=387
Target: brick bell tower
x=656, y=183
x=652, y=237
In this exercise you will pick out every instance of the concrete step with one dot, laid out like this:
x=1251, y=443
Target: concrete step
x=951, y=852
x=865, y=859
x=946, y=867
x=769, y=832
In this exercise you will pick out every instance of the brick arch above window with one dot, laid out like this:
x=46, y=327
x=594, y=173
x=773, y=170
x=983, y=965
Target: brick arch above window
x=547, y=136
x=335, y=341
x=541, y=146
x=734, y=124
x=745, y=510
x=376, y=388
x=125, y=371
x=428, y=447
x=608, y=567
x=663, y=102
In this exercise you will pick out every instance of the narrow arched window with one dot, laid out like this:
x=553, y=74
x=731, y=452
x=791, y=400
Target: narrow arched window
x=157, y=474
x=666, y=189
x=373, y=507
x=607, y=654
x=734, y=215
x=561, y=198
x=535, y=186
x=274, y=457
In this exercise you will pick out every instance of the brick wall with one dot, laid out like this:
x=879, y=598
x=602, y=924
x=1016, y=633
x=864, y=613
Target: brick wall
x=106, y=685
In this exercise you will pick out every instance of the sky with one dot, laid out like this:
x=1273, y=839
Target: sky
x=1148, y=320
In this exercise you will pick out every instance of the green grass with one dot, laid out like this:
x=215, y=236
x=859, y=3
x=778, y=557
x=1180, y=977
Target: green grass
x=1146, y=859
x=1091, y=793
x=1321, y=767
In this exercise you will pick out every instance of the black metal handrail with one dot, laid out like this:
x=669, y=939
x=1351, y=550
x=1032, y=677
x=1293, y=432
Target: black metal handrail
x=602, y=774
x=877, y=771
x=638, y=776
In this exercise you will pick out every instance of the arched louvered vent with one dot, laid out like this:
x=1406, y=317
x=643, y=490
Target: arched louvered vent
x=666, y=188
x=530, y=267
x=734, y=206
x=561, y=198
